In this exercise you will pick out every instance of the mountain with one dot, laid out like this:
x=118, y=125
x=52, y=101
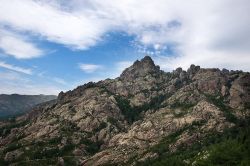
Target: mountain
x=11, y=105
x=144, y=117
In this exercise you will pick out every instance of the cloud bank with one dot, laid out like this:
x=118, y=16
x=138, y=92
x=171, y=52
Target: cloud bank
x=209, y=33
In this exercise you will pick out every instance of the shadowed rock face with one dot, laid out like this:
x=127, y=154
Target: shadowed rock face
x=118, y=121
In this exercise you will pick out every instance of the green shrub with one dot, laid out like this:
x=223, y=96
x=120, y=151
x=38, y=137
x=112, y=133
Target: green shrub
x=55, y=140
x=12, y=147
x=92, y=147
x=247, y=105
x=71, y=161
x=67, y=149
x=132, y=114
x=5, y=130
x=129, y=113
x=100, y=127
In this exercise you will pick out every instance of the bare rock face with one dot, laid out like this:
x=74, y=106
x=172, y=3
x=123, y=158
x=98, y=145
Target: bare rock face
x=239, y=92
x=119, y=121
x=157, y=125
x=193, y=70
x=209, y=80
x=140, y=69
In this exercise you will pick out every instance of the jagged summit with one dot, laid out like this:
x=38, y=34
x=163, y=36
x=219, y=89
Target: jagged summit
x=148, y=60
x=140, y=68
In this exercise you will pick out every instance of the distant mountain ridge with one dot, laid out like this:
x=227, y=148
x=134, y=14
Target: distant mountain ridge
x=15, y=104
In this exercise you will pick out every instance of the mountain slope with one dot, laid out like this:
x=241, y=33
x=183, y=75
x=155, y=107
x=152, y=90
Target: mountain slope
x=15, y=104
x=145, y=116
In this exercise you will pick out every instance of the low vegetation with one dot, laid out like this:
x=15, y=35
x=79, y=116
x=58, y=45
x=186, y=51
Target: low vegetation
x=218, y=101
x=132, y=114
x=229, y=148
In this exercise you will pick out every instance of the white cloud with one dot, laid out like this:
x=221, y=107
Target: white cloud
x=52, y=22
x=209, y=33
x=15, y=68
x=89, y=68
x=17, y=46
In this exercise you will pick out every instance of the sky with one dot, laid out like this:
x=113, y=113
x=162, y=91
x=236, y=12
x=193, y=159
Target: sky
x=48, y=46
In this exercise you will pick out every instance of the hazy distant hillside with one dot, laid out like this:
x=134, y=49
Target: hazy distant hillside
x=17, y=104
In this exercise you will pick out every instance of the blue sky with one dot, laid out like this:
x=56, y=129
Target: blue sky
x=52, y=46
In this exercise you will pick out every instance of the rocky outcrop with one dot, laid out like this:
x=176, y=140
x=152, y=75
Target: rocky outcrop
x=239, y=92
x=117, y=121
x=139, y=69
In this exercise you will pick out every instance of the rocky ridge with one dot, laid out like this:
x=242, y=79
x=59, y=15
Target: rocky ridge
x=125, y=121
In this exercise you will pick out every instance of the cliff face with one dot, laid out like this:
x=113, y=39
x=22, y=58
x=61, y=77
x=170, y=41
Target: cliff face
x=134, y=118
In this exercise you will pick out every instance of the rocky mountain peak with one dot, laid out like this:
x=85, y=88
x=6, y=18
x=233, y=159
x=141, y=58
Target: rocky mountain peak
x=142, y=118
x=148, y=60
x=140, y=68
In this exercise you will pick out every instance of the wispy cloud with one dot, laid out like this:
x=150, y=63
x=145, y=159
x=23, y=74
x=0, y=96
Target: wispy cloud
x=89, y=68
x=14, y=82
x=10, y=76
x=17, y=46
x=60, y=80
x=15, y=68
